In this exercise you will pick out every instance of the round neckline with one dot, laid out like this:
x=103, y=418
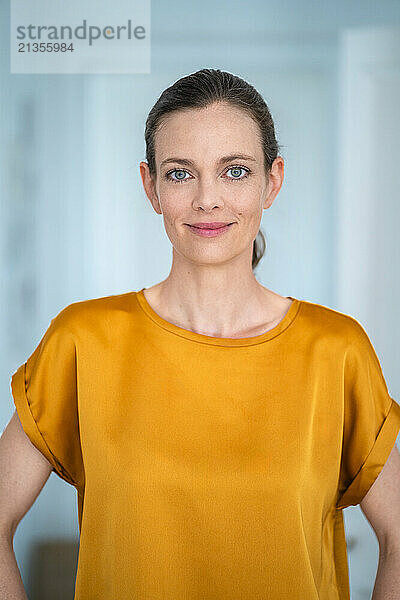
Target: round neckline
x=218, y=341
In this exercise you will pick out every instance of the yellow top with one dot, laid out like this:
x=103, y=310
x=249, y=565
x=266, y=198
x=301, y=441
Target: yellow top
x=208, y=468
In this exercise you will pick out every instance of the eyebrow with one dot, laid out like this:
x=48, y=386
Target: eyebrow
x=222, y=160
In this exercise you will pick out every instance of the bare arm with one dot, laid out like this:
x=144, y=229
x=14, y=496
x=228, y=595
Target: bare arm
x=23, y=473
x=381, y=506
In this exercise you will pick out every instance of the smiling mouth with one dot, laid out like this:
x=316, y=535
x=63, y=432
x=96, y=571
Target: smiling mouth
x=209, y=226
x=205, y=228
x=209, y=232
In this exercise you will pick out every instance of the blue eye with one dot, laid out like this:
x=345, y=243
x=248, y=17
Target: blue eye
x=178, y=179
x=235, y=171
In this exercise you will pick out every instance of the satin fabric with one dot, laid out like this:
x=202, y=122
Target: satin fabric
x=205, y=467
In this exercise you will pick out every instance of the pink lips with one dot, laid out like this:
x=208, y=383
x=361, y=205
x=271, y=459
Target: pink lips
x=213, y=225
x=209, y=229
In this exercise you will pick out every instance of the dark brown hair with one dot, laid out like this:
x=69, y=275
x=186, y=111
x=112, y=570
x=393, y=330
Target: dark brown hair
x=202, y=88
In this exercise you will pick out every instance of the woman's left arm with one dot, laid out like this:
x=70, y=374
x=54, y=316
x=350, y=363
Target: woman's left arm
x=381, y=506
x=387, y=582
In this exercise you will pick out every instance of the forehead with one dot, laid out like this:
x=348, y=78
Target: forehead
x=208, y=132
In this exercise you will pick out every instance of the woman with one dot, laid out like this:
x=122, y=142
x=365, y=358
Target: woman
x=213, y=428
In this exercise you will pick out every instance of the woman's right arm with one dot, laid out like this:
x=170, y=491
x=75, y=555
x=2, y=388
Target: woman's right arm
x=23, y=472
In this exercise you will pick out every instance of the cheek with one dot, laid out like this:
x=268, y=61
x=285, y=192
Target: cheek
x=248, y=208
x=172, y=206
x=172, y=196
x=245, y=200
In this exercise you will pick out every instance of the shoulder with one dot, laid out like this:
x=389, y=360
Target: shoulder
x=325, y=321
x=86, y=313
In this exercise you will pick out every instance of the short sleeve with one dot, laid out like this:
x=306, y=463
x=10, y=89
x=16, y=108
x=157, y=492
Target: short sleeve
x=371, y=420
x=44, y=389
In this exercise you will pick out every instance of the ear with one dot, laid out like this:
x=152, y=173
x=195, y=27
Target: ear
x=149, y=186
x=275, y=181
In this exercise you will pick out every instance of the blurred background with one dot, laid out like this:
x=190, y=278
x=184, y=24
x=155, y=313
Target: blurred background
x=76, y=224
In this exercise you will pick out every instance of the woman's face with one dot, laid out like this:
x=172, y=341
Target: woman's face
x=210, y=168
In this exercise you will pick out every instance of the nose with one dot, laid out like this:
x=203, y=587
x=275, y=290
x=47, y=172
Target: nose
x=207, y=196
